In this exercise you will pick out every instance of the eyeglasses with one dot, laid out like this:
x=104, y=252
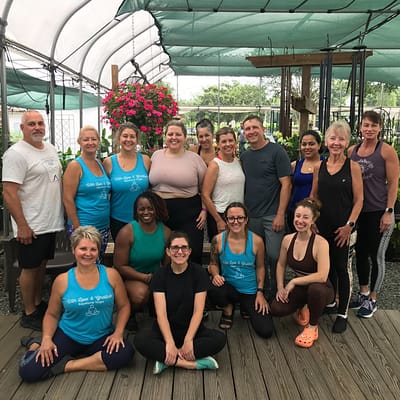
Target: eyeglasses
x=240, y=219
x=175, y=249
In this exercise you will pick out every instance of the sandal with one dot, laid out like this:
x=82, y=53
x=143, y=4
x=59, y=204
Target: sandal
x=307, y=337
x=226, y=321
x=302, y=316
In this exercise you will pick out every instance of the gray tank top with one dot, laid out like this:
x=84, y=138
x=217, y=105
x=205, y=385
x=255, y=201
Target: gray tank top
x=373, y=169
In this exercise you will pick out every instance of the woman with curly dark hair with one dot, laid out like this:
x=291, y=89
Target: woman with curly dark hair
x=139, y=249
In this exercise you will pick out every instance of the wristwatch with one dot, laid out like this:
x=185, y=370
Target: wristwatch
x=389, y=210
x=350, y=224
x=260, y=289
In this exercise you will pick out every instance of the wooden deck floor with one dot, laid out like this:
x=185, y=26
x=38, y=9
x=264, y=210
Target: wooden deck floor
x=362, y=363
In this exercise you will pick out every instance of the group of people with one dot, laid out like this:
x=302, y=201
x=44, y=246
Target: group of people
x=244, y=203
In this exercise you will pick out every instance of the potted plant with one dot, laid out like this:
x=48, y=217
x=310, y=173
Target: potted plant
x=148, y=106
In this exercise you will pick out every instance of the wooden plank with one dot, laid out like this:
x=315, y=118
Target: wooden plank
x=379, y=349
x=274, y=367
x=157, y=386
x=66, y=386
x=7, y=322
x=351, y=352
x=246, y=370
x=394, y=317
x=306, y=372
x=314, y=59
x=219, y=384
x=10, y=343
x=340, y=382
x=97, y=385
x=9, y=379
x=188, y=384
x=128, y=381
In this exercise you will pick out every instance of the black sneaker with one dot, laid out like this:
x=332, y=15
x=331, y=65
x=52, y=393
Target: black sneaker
x=331, y=308
x=31, y=321
x=132, y=325
x=340, y=325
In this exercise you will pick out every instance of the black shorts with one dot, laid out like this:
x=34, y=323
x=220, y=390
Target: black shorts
x=42, y=248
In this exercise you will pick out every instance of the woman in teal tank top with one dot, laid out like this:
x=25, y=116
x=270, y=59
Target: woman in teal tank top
x=140, y=249
x=129, y=174
x=78, y=330
x=238, y=273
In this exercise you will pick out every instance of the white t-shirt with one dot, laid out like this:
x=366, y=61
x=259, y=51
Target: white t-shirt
x=39, y=172
x=229, y=186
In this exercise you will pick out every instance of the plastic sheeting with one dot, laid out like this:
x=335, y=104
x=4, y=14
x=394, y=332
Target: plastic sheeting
x=81, y=39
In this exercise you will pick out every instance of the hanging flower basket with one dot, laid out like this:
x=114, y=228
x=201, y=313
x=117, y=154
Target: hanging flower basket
x=149, y=107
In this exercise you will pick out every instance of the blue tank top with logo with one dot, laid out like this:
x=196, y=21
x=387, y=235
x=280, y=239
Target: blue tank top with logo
x=126, y=186
x=87, y=314
x=239, y=270
x=92, y=199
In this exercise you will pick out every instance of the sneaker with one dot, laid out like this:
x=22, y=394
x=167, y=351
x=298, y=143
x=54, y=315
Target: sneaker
x=31, y=321
x=357, y=300
x=331, y=308
x=367, y=308
x=132, y=325
x=159, y=367
x=340, y=324
x=206, y=363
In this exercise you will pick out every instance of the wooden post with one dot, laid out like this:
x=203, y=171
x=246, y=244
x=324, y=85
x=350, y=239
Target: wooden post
x=114, y=84
x=305, y=92
x=114, y=76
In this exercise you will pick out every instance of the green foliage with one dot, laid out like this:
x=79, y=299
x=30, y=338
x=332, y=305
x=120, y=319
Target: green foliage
x=66, y=157
x=291, y=145
x=229, y=94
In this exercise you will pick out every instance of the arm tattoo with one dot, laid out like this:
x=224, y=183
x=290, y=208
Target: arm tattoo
x=214, y=254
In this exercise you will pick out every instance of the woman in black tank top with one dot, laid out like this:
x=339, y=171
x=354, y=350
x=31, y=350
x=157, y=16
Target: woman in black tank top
x=338, y=184
x=307, y=254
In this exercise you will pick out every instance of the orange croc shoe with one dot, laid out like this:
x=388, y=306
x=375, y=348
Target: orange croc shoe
x=302, y=316
x=307, y=337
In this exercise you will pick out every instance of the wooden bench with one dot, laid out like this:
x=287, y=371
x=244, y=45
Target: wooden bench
x=63, y=259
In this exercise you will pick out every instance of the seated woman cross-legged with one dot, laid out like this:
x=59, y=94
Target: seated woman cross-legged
x=238, y=273
x=310, y=291
x=178, y=337
x=78, y=333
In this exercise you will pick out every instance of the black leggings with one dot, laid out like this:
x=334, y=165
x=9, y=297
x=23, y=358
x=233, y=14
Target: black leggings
x=227, y=294
x=182, y=217
x=340, y=273
x=151, y=344
x=32, y=371
x=315, y=295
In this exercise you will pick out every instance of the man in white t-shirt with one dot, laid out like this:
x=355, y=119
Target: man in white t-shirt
x=32, y=194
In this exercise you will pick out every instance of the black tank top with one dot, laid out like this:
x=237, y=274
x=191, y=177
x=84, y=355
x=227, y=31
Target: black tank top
x=336, y=195
x=305, y=266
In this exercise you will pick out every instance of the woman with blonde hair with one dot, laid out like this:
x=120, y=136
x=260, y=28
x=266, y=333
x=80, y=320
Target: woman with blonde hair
x=78, y=330
x=338, y=184
x=86, y=188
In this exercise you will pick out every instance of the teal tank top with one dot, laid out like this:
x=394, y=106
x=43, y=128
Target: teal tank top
x=92, y=199
x=148, y=249
x=126, y=186
x=87, y=314
x=239, y=270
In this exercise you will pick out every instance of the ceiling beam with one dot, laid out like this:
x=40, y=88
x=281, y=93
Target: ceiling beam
x=291, y=60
